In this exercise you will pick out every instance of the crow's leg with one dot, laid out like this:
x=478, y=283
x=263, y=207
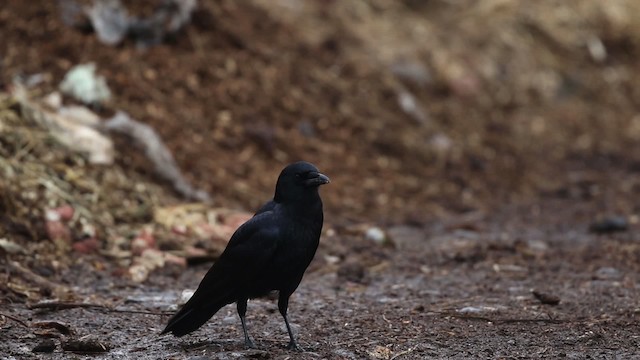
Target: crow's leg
x=242, y=310
x=283, y=305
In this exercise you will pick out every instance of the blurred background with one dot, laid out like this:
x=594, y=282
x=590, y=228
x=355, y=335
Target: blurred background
x=413, y=107
x=419, y=111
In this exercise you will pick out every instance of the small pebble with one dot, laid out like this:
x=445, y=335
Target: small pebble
x=609, y=224
x=470, y=310
x=608, y=273
x=378, y=236
x=185, y=295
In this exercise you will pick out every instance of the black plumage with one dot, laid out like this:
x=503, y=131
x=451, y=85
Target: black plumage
x=270, y=252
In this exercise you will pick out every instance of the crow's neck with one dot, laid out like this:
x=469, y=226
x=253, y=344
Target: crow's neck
x=308, y=205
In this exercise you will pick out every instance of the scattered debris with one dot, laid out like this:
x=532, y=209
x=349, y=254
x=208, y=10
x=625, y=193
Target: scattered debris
x=202, y=222
x=56, y=305
x=11, y=247
x=14, y=319
x=596, y=48
x=385, y=353
x=185, y=295
x=545, y=298
x=61, y=213
x=71, y=127
x=156, y=152
x=77, y=128
x=83, y=84
x=476, y=309
x=441, y=143
x=143, y=265
x=84, y=345
x=353, y=272
x=188, y=224
x=51, y=193
x=56, y=225
x=410, y=105
x=87, y=246
x=509, y=268
x=380, y=352
x=402, y=353
x=607, y=273
x=532, y=248
x=413, y=72
x=112, y=23
x=369, y=232
x=376, y=235
x=22, y=288
x=332, y=259
x=42, y=283
x=62, y=328
x=143, y=240
x=45, y=346
x=210, y=227
x=609, y=224
x=465, y=249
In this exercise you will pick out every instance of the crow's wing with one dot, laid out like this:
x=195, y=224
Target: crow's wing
x=250, y=248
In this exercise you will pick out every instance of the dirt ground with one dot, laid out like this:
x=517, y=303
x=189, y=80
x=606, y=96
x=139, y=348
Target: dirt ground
x=459, y=289
x=495, y=143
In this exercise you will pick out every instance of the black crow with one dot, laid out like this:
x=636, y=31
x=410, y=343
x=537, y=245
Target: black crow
x=270, y=252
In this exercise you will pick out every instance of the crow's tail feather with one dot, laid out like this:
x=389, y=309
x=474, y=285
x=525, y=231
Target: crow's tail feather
x=190, y=318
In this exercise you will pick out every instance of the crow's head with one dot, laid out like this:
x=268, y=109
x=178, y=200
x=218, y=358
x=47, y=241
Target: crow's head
x=297, y=180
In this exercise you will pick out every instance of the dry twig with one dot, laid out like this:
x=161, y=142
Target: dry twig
x=63, y=305
x=35, y=278
x=15, y=319
x=401, y=353
x=503, y=321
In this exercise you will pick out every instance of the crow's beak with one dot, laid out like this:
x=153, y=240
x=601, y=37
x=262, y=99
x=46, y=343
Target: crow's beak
x=316, y=179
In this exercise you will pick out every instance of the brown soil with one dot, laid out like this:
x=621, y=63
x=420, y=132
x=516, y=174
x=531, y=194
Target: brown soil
x=528, y=135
